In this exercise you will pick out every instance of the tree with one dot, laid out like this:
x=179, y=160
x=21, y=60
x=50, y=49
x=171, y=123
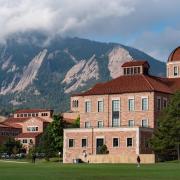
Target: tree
x=52, y=139
x=166, y=137
x=12, y=147
x=76, y=124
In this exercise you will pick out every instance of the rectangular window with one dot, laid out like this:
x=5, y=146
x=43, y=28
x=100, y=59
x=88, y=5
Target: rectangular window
x=158, y=103
x=115, y=142
x=84, y=143
x=115, y=113
x=71, y=143
x=131, y=104
x=32, y=129
x=129, y=142
x=144, y=123
x=24, y=141
x=176, y=71
x=128, y=71
x=131, y=123
x=164, y=103
x=124, y=71
x=144, y=104
x=88, y=106
x=100, y=106
x=87, y=125
x=100, y=124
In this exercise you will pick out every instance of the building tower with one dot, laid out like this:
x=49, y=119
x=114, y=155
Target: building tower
x=173, y=64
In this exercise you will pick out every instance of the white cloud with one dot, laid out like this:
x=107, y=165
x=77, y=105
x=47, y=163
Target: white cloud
x=64, y=16
x=124, y=19
x=159, y=45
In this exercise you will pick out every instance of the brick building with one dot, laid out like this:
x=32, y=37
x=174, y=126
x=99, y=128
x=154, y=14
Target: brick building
x=121, y=114
x=27, y=126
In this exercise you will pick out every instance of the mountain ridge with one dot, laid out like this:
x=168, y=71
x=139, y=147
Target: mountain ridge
x=38, y=74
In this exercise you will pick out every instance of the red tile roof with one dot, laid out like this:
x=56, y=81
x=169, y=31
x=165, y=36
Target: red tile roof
x=9, y=125
x=175, y=55
x=32, y=110
x=28, y=135
x=3, y=125
x=130, y=84
x=136, y=63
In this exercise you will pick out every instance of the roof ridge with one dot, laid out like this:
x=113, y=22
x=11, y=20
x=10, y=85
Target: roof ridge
x=148, y=82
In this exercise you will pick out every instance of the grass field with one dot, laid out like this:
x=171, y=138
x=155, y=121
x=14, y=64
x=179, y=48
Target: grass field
x=53, y=171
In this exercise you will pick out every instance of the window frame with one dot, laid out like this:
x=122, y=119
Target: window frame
x=73, y=145
x=127, y=142
x=147, y=124
x=142, y=98
x=82, y=142
x=102, y=124
x=88, y=107
x=117, y=141
x=129, y=106
x=132, y=121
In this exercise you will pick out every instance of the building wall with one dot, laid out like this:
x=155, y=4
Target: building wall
x=92, y=134
x=47, y=115
x=157, y=113
x=170, y=69
x=106, y=116
x=33, y=122
x=7, y=132
x=125, y=158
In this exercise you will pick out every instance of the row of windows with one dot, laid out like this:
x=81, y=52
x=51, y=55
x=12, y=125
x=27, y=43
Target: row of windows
x=31, y=114
x=161, y=103
x=6, y=133
x=131, y=123
x=32, y=128
x=131, y=105
x=115, y=142
x=116, y=105
x=44, y=114
x=75, y=103
x=26, y=141
x=132, y=70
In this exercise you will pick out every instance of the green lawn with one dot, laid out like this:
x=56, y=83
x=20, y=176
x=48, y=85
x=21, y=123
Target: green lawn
x=53, y=171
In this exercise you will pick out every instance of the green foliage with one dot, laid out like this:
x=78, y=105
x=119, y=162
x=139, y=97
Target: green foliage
x=52, y=140
x=103, y=149
x=11, y=146
x=167, y=136
x=76, y=124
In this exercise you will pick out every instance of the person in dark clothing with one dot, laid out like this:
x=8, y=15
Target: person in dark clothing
x=33, y=158
x=138, y=161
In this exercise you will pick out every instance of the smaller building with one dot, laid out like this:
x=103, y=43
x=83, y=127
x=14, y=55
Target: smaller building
x=32, y=123
x=8, y=131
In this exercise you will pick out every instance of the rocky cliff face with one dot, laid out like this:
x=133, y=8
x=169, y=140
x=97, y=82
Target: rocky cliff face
x=32, y=75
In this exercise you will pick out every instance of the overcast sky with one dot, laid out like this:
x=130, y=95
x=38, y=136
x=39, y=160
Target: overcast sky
x=149, y=25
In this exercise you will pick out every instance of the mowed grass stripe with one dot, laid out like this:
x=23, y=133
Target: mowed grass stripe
x=53, y=171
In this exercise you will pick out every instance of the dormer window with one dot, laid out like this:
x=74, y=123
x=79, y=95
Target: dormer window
x=135, y=67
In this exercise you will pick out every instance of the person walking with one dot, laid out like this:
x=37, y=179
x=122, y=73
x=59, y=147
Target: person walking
x=33, y=158
x=138, y=161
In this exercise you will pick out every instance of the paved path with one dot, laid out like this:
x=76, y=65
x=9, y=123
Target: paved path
x=8, y=161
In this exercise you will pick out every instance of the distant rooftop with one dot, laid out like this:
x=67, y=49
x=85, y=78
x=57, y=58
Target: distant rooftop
x=32, y=110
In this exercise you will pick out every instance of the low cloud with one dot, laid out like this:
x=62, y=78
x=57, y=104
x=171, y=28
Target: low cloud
x=134, y=21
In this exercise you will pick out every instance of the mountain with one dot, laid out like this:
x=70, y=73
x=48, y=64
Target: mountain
x=36, y=71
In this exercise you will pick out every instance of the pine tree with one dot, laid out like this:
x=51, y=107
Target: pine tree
x=167, y=136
